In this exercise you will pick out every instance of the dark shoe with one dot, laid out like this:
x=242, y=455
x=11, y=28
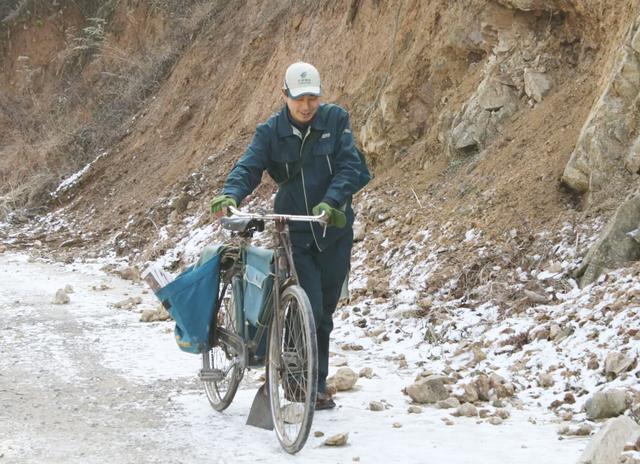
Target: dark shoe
x=324, y=401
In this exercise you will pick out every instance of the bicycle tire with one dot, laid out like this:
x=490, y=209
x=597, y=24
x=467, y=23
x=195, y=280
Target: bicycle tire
x=223, y=358
x=293, y=369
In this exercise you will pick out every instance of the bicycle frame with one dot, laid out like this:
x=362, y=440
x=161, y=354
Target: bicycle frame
x=285, y=275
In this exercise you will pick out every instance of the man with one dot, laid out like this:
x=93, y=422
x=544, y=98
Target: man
x=308, y=149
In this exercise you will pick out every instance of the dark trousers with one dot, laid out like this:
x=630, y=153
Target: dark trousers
x=321, y=275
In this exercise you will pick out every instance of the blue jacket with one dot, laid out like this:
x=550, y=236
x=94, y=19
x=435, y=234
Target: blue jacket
x=330, y=174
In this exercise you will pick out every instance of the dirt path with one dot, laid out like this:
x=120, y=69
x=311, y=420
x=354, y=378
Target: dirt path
x=86, y=383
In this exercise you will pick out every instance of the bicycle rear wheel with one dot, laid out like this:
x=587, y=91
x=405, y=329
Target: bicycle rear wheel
x=222, y=368
x=293, y=369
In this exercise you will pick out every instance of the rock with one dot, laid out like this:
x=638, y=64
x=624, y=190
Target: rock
x=428, y=390
x=469, y=394
x=339, y=439
x=61, y=297
x=545, y=380
x=101, y=287
x=582, y=430
x=629, y=459
x=466, y=410
x=494, y=420
x=318, y=434
x=617, y=363
x=351, y=347
x=129, y=303
x=413, y=409
x=359, y=231
x=292, y=414
x=505, y=390
x=449, y=403
x=503, y=413
x=531, y=5
x=344, y=379
x=480, y=118
x=68, y=289
x=397, y=425
x=536, y=84
x=483, y=386
x=632, y=160
x=536, y=298
x=376, y=406
x=593, y=363
x=606, y=404
x=635, y=41
x=150, y=315
x=478, y=355
x=129, y=273
x=339, y=361
x=606, y=446
x=576, y=179
x=366, y=372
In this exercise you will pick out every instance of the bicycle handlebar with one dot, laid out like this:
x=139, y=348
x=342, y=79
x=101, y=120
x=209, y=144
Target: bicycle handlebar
x=321, y=218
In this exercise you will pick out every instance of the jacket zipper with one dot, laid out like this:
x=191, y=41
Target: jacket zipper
x=304, y=190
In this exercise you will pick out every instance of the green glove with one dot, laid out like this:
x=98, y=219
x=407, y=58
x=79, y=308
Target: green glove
x=335, y=217
x=222, y=202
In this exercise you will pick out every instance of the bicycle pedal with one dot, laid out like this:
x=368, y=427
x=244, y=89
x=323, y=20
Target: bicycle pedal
x=211, y=375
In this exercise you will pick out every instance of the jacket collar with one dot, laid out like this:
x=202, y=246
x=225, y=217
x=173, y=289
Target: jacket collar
x=284, y=126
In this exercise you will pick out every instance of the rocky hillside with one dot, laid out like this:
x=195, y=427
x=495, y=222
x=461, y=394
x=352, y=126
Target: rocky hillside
x=512, y=118
x=504, y=137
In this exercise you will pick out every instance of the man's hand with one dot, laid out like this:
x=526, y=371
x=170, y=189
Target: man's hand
x=335, y=217
x=220, y=204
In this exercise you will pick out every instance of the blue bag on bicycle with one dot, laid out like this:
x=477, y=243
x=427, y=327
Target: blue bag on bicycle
x=191, y=299
x=257, y=284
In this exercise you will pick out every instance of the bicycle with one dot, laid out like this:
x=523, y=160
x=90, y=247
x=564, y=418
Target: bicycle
x=238, y=340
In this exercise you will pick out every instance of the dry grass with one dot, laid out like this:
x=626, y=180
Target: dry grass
x=48, y=136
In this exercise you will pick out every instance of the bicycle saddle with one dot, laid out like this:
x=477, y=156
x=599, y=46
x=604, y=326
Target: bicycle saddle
x=242, y=225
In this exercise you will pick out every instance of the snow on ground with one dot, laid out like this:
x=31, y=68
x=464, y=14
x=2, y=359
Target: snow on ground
x=85, y=383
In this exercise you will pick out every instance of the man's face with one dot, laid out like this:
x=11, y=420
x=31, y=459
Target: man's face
x=303, y=108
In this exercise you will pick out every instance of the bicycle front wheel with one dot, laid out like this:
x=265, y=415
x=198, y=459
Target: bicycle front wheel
x=222, y=368
x=293, y=369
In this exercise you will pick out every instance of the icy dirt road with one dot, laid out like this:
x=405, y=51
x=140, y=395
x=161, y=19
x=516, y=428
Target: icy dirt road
x=86, y=383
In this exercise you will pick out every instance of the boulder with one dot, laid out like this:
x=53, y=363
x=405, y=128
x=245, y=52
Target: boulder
x=609, y=403
x=344, y=379
x=466, y=410
x=449, y=403
x=129, y=273
x=359, y=231
x=533, y=5
x=606, y=446
x=428, y=390
x=376, y=406
x=614, y=246
x=536, y=84
x=598, y=160
x=150, y=315
x=339, y=439
x=61, y=297
x=617, y=363
x=480, y=118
